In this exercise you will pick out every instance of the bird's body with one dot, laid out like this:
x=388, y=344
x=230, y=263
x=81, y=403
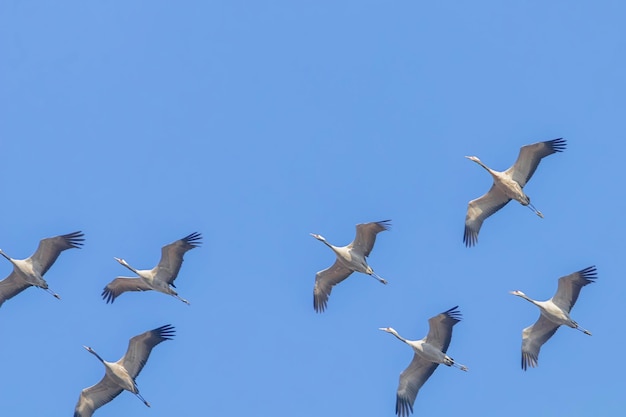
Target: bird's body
x=555, y=312
x=30, y=271
x=350, y=258
x=120, y=375
x=429, y=353
x=507, y=185
x=161, y=277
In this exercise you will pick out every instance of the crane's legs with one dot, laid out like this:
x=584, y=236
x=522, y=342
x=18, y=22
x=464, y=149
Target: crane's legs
x=381, y=280
x=461, y=367
x=585, y=331
x=55, y=295
x=142, y=399
x=534, y=210
x=181, y=299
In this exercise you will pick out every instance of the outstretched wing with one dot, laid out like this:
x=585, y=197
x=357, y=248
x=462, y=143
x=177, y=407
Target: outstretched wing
x=366, y=235
x=533, y=337
x=411, y=380
x=96, y=396
x=479, y=209
x=440, y=331
x=570, y=286
x=49, y=249
x=530, y=156
x=324, y=282
x=122, y=284
x=172, y=256
x=11, y=286
x=140, y=346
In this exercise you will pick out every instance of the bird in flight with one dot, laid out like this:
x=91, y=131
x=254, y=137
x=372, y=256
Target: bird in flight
x=120, y=375
x=161, y=277
x=30, y=271
x=429, y=352
x=350, y=258
x=554, y=313
x=507, y=185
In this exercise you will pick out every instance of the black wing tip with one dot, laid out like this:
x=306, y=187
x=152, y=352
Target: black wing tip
x=470, y=237
x=557, y=145
x=403, y=407
x=454, y=313
x=529, y=360
x=194, y=239
x=165, y=332
x=74, y=239
x=589, y=274
x=107, y=295
x=319, y=303
x=385, y=224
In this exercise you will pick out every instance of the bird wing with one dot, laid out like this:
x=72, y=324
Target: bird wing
x=530, y=156
x=570, y=286
x=440, y=331
x=324, y=282
x=479, y=209
x=11, y=286
x=50, y=248
x=172, y=256
x=96, y=396
x=366, y=235
x=140, y=346
x=122, y=284
x=411, y=380
x=533, y=337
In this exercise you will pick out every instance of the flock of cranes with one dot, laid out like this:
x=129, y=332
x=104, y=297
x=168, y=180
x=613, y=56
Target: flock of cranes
x=429, y=352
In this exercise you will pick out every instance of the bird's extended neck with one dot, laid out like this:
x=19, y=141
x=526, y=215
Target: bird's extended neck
x=93, y=352
x=395, y=333
x=527, y=298
x=6, y=256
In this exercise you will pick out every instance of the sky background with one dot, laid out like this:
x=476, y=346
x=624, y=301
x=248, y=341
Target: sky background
x=257, y=123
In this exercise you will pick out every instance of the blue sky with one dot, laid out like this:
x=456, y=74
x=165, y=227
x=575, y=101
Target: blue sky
x=257, y=123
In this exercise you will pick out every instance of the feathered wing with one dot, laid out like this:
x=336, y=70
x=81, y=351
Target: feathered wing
x=411, y=380
x=140, y=346
x=366, y=235
x=122, y=284
x=96, y=396
x=570, y=286
x=172, y=256
x=530, y=156
x=324, y=282
x=533, y=337
x=11, y=286
x=50, y=248
x=440, y=331
x=479, y=209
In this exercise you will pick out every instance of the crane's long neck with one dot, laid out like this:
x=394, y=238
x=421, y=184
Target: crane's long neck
x=479, y=162
x=393, y=332
x=96, y=355
x=6, y=256
x=527, y=298
x=131, y=268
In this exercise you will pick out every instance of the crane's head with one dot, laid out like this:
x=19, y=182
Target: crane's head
x=89, y=349
x=121, y=261
x=388, y=330
x=518, y=293
x=318, y=237
x=473, y=158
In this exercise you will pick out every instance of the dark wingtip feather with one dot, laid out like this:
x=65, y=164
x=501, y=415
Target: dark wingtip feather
x=589, y=274
x=75, y=239
x=385, y=224
x=193, y=239
x=107, y=295
x=319, y=303
x=528, y=360
x=557, y=145
x=470, y=237
x=165, y=332
x=454, y=313
x=403, y=407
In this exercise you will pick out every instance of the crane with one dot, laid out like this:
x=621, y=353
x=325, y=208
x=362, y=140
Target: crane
x=507, y=185
x=554, y=313
x=350, y=258
x=120, y=375
x=429, y=353
x=159, y=278
x=30, y=271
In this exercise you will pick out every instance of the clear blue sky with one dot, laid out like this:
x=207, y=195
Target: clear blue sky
x=255, y=124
